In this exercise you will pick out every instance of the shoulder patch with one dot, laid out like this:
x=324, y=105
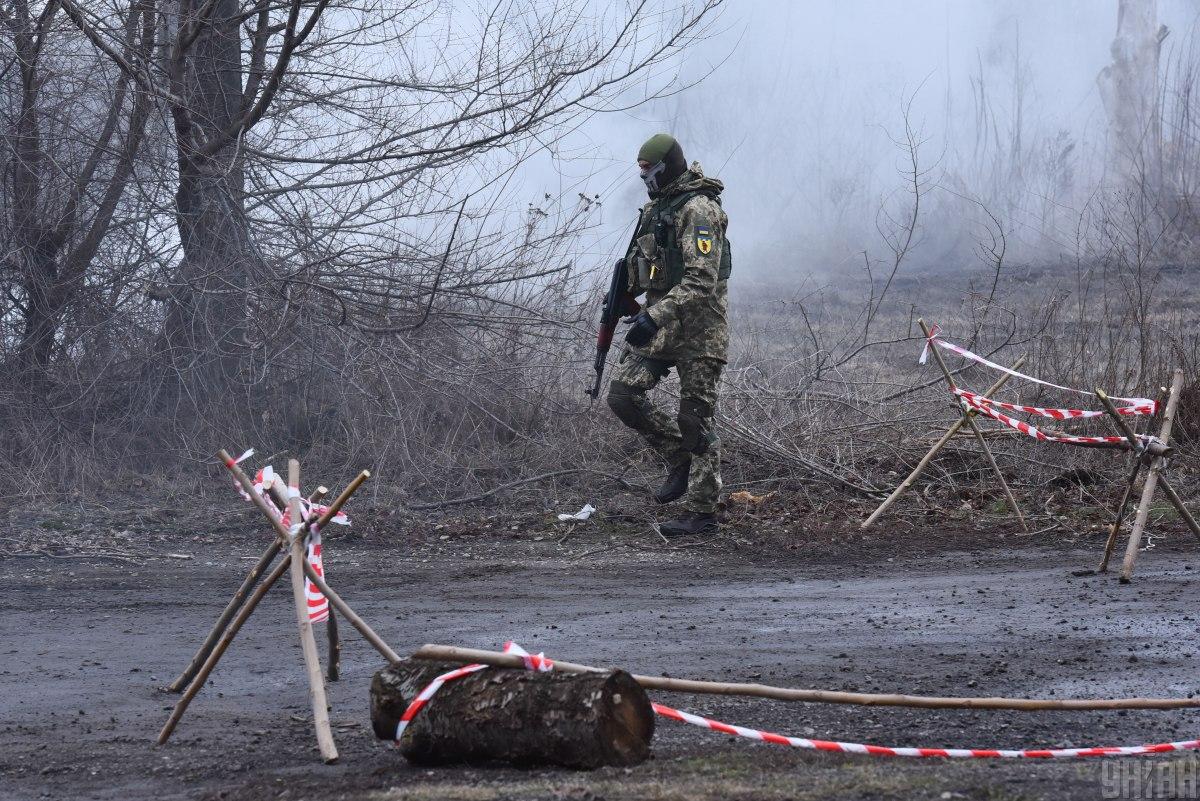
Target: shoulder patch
x=704, y=240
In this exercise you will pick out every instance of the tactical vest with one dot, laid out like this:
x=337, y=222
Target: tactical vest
x=662, y=270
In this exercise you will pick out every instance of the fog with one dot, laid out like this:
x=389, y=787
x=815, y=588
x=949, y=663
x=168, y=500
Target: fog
x=796, y=106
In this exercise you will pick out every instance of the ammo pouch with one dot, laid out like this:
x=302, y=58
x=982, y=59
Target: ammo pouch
x=660, y=253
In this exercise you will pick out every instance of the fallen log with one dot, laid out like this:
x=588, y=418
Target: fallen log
x=518, y=716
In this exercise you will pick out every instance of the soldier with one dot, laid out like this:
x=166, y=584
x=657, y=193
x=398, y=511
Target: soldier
x=680, y=258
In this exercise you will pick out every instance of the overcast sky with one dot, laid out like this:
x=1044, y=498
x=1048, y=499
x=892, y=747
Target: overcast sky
x=796, y=100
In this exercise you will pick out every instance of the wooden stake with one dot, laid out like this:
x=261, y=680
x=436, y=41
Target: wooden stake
x=334, y=670
x=308, y=645
x=1178, y=503
x=235, y=603
x=449, y=653
x=987, y=451
x=215, y=655
x=941, y=443
x=1139, y=458
x=1156, y=467
x=1164, y=449
x=1115, y=528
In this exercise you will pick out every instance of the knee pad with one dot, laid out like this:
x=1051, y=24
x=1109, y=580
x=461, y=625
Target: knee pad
x=626, y=403
x=694, y=416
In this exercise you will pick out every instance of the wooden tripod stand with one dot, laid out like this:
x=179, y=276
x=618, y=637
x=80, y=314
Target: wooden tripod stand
x=1155, y=459
x=240, y=607
x=967, y=419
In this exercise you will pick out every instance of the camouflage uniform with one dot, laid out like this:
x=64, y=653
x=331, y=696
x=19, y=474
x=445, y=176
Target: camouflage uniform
x=693, y=333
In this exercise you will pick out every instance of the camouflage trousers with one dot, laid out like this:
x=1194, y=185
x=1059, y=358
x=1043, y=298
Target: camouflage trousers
x=699, y=379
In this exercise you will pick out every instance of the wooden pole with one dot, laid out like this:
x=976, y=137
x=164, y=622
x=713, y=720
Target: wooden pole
x=331, y=625
x=235, y=603
x=333, y=671
x=1172, y=495
x=1156, y=467
x=1139, y=459
x=308, y=645
x=987, y=451
x=1178, y=503
x=1115, y=528
x=334, y=668
x=449, y=653
x=941, y=443
x=336, y=600
x=215, y=655
x=320, y=711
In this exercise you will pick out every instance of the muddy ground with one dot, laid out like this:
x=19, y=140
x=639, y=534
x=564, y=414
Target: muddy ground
x=91, y=633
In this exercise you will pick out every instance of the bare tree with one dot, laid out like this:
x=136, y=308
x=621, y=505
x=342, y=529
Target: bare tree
x=1130, y=89
x=67, y=163
x=320, y=209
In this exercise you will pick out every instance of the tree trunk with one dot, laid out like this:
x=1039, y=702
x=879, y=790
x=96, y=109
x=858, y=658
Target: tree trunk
x=519, y=716
x=59, y=225
x=205, y=329
x=1129, y=89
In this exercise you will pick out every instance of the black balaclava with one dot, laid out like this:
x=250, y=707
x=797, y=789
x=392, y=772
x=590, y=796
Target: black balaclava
x=667, y=163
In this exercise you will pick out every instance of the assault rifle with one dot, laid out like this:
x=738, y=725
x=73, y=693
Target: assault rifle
x=618, y=303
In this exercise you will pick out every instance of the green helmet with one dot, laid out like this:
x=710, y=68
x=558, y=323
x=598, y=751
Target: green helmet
x=665, y=156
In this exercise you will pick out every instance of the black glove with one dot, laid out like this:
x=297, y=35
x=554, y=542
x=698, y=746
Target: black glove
x=642, y=329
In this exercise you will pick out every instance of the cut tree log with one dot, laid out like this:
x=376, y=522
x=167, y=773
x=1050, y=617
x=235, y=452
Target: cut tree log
x=518, y=716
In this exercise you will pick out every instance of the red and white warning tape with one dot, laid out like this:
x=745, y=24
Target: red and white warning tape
x=973, y=401
x=537, y=662
x=1055, y=414
x=990, y=408
x=934, y=339
x=541, y=663
x=318, y=604
x=883, y=750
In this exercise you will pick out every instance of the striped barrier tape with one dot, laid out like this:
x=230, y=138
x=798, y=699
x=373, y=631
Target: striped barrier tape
x=934, y=340
x=972, y=401
x=1055, y=414
x=537, y=662
x=318, y=604
x=884, y=750
x=540, y=663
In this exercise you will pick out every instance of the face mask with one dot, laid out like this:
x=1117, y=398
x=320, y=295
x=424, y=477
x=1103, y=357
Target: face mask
x=650, y=176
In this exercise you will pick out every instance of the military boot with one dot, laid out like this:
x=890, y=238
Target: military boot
x=676, y=483
x=690, y=523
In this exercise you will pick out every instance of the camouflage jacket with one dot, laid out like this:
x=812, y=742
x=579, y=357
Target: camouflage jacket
x=692, y=315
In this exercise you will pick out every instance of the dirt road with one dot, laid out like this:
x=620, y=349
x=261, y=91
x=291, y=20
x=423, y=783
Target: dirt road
x=87, y=644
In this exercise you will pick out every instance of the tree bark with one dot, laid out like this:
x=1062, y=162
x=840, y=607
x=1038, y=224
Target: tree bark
x=518, y=716
x=205, y=328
